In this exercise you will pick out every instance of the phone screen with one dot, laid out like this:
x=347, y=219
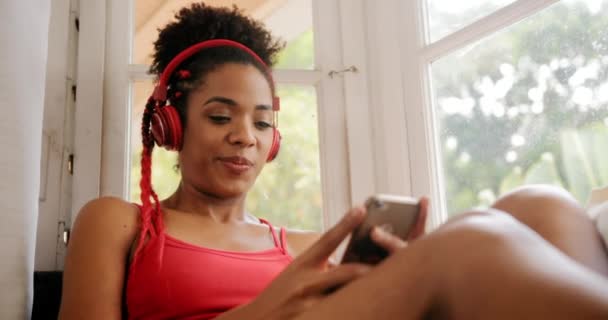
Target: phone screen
x=395, y=214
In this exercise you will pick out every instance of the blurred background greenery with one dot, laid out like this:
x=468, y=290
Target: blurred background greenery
x=527, y=105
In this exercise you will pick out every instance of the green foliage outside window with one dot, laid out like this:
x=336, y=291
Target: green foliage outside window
x=528, y=105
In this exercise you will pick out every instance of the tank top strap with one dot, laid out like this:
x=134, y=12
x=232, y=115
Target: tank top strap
x=283, y=240
x=277, y=243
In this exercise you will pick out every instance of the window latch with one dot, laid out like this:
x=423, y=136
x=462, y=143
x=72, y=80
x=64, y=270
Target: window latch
x=333, y=73
x=64, y=232
x=71, y=164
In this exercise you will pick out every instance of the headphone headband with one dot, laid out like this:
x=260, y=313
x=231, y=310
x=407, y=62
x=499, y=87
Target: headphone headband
x=160, y=91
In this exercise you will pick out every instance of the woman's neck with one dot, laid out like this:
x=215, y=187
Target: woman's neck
x=221, y=210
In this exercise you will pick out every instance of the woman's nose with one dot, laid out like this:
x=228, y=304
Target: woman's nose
x=242, y=134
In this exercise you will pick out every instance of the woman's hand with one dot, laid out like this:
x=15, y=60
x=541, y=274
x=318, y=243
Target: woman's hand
x=392, y=243
x=308, y=278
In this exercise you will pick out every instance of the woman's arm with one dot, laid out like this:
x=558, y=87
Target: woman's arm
x=97, y=254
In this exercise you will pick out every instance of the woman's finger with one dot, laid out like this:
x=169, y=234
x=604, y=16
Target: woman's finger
x=386, y=240
x=420, y=225
x=320, y=251
x=337, y=277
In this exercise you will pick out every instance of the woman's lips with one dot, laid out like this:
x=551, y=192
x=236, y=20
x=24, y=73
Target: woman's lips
x=236, y=165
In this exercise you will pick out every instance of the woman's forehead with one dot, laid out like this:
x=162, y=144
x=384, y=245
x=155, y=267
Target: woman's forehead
x=235, y=78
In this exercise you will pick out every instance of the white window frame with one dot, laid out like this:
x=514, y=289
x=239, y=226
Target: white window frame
x=377, y=126
x=89, y=112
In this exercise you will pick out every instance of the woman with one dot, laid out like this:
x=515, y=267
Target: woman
x=199, y=255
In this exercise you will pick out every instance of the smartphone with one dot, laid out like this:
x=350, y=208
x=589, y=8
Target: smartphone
x=395, y=214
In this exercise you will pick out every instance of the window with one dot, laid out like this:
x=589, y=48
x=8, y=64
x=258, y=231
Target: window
x=510, y=93
x=447, y=16
x=526, y=105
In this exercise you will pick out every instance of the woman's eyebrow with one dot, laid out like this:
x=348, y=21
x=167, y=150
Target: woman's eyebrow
x=223, y=100
x=232, y=103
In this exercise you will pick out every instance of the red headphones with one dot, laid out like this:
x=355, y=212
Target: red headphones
x=165, y=122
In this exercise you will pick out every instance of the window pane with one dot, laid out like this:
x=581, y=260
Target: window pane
x=288, y=191
x=447, y=16
x=290, y=20
x=529, y=105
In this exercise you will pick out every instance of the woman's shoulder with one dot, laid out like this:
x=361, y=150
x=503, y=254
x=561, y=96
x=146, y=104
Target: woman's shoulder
x=110, y=216
x=97, y=251
x=109, y=208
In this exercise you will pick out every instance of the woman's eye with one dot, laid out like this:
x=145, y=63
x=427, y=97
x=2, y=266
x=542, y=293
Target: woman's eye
x=263, y=124
x=219, y=119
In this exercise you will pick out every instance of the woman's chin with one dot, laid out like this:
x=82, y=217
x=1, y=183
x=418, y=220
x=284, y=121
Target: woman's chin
x=234, y=191
x=233, y=187
x=224, y=185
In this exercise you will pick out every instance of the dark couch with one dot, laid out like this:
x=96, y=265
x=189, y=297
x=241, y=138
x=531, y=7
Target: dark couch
x=47, y=295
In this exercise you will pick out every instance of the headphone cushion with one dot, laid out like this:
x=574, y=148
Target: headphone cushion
x=159, y=129
x=167, y=128
x=175, y=127
x=276, y=145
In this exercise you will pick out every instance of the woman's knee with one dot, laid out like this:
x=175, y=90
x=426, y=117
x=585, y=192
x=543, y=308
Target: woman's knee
x=493, y=250
x=478, y=231
x=556, y=216
x=540, y=206
x=472, y=249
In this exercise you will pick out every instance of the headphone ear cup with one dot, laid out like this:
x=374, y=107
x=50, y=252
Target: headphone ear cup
x=159, y=128
x=167, y=128
x=276, y=145
x=175, y=128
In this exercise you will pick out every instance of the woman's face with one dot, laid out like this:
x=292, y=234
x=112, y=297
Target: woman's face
x=228, y=132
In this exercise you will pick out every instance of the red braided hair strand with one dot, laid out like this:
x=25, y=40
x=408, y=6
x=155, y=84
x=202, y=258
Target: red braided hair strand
x=149, y=215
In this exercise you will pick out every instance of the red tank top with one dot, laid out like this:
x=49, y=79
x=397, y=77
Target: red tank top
x=172, y=279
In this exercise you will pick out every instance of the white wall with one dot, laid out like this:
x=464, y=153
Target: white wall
x=23, y=35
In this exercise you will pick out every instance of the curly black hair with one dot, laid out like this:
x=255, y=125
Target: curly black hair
x=200, y=22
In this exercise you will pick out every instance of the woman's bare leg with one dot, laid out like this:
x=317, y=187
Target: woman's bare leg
x=556, y=216
x=482, y=265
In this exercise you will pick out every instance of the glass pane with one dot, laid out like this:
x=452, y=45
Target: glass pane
x=288, y=191
x=529, y=105
x=447, y=16
x=290, y=20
